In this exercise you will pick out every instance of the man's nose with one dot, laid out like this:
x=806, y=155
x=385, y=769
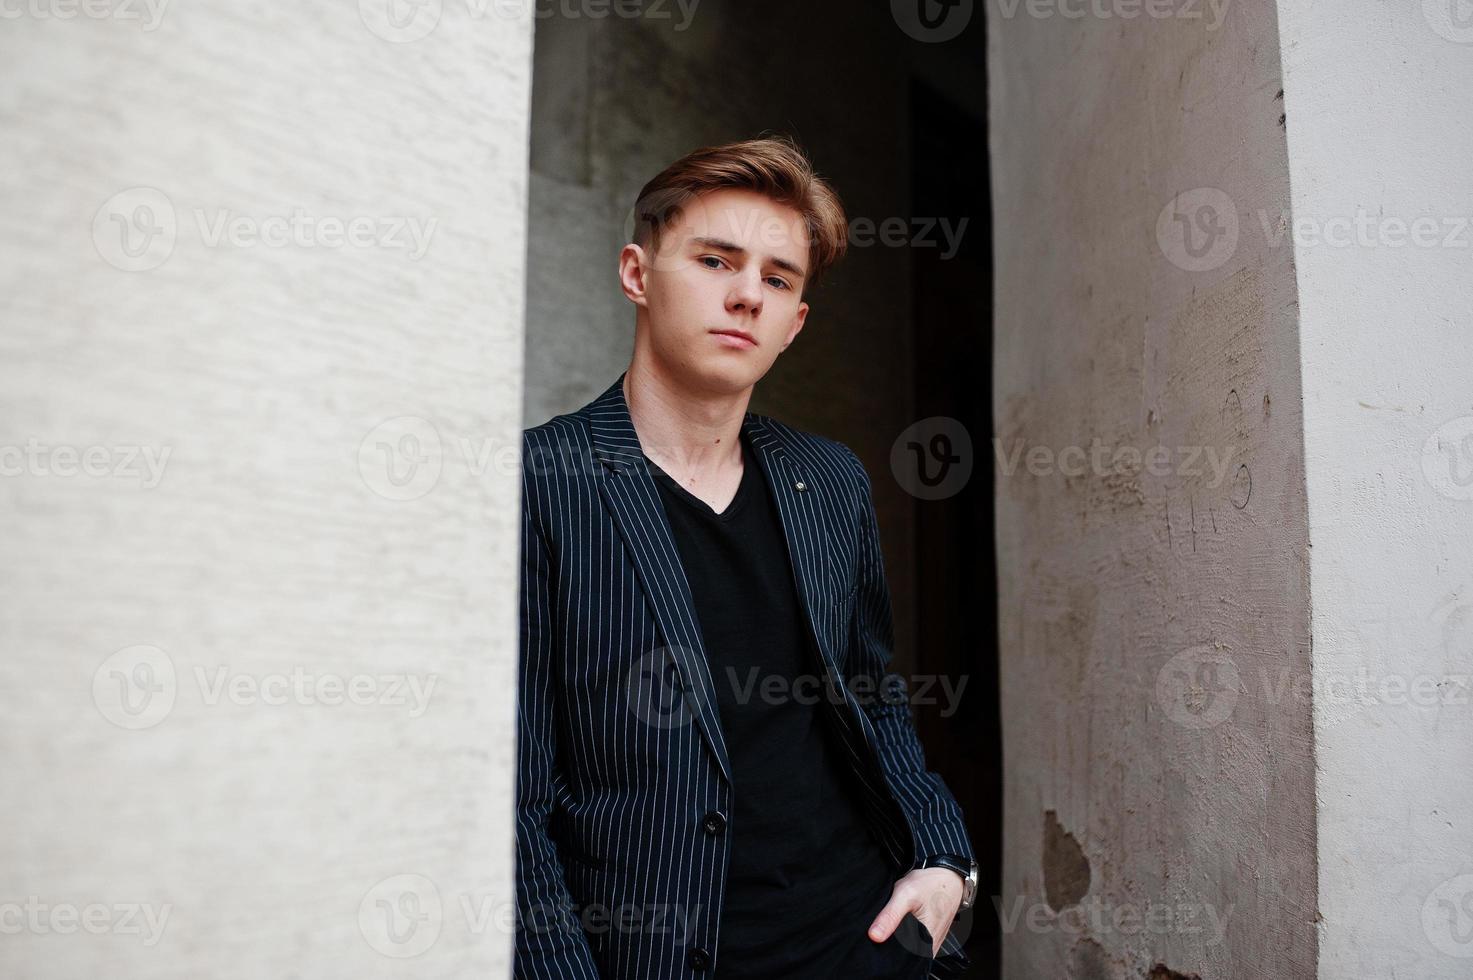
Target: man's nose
x=746, y=294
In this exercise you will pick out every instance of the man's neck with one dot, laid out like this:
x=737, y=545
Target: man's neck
x=691, y=435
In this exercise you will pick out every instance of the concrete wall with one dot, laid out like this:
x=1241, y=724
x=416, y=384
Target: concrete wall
x=257, y=597
x=1379, y=145
x=1159, y=806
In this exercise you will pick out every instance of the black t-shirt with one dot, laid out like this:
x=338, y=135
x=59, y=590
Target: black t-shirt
x=807, y=875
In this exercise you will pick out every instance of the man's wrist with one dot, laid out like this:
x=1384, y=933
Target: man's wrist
x=965, y=868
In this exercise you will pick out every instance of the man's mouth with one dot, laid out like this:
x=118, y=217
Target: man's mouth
x=737, y=337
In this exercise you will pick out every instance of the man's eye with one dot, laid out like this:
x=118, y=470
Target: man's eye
x=777, y=283
x=711, y=259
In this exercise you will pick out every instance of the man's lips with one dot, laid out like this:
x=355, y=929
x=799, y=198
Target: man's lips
x=737, y=337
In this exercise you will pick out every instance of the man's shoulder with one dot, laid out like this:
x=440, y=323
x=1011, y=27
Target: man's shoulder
x=565, y=427
x=557, y=459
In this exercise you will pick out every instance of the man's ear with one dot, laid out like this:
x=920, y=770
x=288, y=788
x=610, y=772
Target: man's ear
x=798, y=320
x=633, y=266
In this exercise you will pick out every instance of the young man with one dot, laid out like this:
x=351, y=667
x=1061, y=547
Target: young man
x=717, y=775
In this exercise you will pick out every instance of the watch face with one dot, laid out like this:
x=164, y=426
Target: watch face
x=969, y=889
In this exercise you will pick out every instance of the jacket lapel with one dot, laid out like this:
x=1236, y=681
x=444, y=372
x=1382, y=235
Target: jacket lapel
x=637, y=509
x=799, y=498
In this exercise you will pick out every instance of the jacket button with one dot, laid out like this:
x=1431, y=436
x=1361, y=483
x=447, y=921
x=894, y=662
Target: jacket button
x=714, y=822
x=800, y=485
x=699, y=959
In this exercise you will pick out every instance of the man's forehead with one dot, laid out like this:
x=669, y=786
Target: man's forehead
x=751, y=221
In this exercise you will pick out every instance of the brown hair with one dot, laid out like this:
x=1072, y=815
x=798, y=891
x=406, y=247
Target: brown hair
x=774, y=166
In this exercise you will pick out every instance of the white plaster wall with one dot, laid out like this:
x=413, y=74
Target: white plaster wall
x=1378, y=124
x=286, y=534
x=1158, y=809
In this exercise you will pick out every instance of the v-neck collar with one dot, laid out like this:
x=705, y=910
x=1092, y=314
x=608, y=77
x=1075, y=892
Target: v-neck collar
x=738, y=500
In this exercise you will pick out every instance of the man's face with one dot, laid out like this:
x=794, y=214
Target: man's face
x=734, y=263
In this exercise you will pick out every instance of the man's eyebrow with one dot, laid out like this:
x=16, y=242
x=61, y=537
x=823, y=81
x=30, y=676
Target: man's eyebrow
x=722, y=245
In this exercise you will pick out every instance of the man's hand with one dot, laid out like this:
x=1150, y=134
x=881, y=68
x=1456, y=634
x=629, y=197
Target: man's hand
x=932, y=894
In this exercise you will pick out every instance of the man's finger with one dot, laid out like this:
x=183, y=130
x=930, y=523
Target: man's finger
x=890, y=916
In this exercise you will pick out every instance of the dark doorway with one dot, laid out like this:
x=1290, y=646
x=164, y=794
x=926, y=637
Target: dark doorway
x=955, y=568
x=893, y=111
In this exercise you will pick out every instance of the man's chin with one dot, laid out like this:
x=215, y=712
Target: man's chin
x=728, y=378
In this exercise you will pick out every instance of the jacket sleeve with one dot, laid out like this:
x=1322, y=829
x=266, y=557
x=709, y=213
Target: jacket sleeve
x=934, y=815
x=550, y=942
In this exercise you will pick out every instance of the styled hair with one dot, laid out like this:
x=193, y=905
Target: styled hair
x=774, y=166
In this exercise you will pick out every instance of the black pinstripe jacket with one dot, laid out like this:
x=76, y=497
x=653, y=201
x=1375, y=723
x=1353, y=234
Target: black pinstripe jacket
x=623, y=782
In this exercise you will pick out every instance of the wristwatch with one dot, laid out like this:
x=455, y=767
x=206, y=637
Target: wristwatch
x=965, y=867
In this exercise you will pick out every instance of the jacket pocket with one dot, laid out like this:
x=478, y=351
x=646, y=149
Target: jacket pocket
x=580, y=857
